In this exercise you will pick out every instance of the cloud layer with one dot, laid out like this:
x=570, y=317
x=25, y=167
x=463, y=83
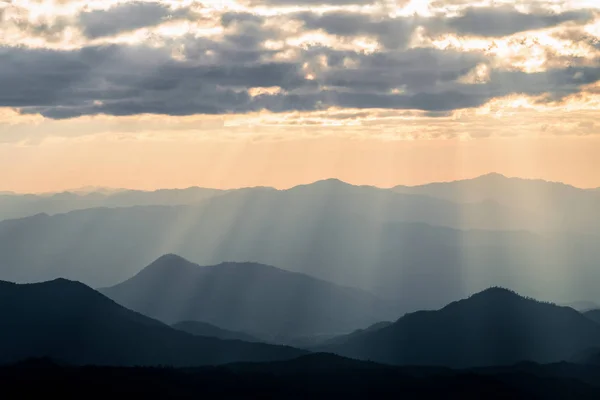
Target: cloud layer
x=282, y=56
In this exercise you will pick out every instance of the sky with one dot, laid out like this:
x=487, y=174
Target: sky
x=235, y=93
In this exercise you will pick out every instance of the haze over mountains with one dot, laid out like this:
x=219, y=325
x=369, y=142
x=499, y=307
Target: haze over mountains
x=259, y=299
x=414, y=249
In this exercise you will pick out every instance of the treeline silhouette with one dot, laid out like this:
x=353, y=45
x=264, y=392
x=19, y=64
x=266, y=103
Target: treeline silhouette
x=314, y=376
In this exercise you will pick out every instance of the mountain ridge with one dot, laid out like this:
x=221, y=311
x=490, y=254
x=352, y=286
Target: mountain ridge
x=493, y=327
x=70, y=322
x=249, y=297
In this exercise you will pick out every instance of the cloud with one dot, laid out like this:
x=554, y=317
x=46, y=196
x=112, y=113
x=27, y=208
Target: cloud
x=127, y=80
x=123, y=18
x=390, y=32
x=503, y=21
x=226, y=68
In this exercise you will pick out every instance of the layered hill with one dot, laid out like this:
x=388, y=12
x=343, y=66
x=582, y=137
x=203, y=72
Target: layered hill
x=198, y=328
x=247, y=297
x=494, y=327
x=72, y=323
x=25, y=205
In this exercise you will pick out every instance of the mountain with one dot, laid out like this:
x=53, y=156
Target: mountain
x=197, y=328
x=494, y=327
x=97, y=189
x=14, y=205
x=354, y=335
x=71, y=322
x=247, y=297
x=560, y=205
x=413, y=249
x=594, y=315
x=582, y=306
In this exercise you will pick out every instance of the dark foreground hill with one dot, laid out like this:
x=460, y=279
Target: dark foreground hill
x=314, y=376
x=70, y=322
x=494, y=327
x=247, y=297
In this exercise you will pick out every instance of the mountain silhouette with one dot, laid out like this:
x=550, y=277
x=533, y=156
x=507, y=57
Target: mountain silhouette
x=247, y=297
x=72, y=323
x=494, y=327
x=594, y=315
x=198, y=328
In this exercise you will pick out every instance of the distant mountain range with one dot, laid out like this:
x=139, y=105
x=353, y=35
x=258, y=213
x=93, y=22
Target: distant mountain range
x=534, y=195
x=494, y=327
x=14, y=205
x=544, y=205
x=417, y=250
x=247, y=297
x=69, y=322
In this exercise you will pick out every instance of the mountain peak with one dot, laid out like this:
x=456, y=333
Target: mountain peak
x=170, y=258
x=166, y=265
x=496, y=294
x=497, y=291
x=492, y=175
x=325, y=183
x=332, y=181
x=497, y=300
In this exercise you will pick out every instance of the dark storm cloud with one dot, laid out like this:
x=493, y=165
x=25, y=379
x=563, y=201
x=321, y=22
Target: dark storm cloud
x=122, y=18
